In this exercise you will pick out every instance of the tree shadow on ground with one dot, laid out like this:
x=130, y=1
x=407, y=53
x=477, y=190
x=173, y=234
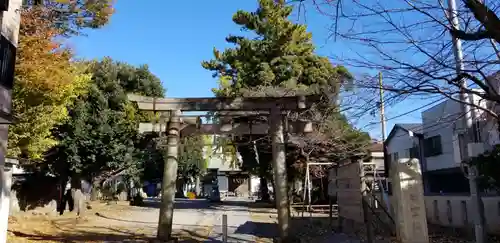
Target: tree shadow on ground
x=69, y=230
x=180, y=203
x=196, y=237
x=183, y=236
x=84, y=236
x=203, y=204
x=258, y=229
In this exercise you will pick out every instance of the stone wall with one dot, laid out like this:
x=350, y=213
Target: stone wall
x=34, y=192
x=40, y=193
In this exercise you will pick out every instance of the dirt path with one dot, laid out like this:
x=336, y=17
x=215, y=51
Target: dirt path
x=194, y=221
x=30, y=227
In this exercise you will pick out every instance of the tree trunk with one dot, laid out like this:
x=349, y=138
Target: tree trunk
x=273, y=186
x=264, y=191
x=94, y=194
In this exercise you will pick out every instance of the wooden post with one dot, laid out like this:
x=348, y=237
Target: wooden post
x=224, y=228
x=280, y=176
x=169, y=179
x=367, y=220
x=304, y=188
x=367, y=214
x=339, y=217
x=330, y=213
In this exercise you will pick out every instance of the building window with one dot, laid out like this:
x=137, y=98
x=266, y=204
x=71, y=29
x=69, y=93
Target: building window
x=414, y=153
x=476, y=131
x=4, y=5
x=7, y=62
x=433, y=146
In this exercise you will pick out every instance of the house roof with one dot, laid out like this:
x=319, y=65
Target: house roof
x=377, y=147
x=416, y=128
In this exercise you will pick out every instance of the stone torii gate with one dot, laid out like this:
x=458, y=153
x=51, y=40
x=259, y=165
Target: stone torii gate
x=175, y=107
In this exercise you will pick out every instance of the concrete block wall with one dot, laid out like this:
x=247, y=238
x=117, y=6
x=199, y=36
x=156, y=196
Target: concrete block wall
x=454, y=211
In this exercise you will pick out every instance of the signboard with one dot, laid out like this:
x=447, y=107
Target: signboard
x=345, y=184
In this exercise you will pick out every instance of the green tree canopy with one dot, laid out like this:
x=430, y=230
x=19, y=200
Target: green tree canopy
x=192, y=160
x=278, y=59
x=101, y=136
x=281, y=55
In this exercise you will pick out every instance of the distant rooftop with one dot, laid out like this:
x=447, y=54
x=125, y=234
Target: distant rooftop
x=377, y=147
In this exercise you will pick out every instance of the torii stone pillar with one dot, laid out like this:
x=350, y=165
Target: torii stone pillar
x=409, y=204
x=280, y=175
x=224, y=104
x=169, y=178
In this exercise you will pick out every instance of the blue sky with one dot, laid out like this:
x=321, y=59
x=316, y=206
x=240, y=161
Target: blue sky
x=173, y=37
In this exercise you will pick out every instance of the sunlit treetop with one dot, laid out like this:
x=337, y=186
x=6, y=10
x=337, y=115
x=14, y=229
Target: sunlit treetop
x=280, y=55
x=72, y=16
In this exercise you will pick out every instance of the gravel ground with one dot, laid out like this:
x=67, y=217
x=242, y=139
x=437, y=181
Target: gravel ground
x=194, y=221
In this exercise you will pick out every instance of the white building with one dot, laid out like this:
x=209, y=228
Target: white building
x=444, y=144
x=377, y=157
x=404, y=141
x=227, y=167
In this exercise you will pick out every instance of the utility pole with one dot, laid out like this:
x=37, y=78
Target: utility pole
x=475, y=198
x=382, y=112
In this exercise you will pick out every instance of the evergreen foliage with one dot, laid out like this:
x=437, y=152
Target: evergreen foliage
x=101, y=134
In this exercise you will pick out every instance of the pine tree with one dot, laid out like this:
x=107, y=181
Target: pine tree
x=278, y=58
x=281, y=55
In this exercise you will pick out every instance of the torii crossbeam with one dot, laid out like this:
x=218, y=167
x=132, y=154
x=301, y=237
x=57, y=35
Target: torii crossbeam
x=269, y=105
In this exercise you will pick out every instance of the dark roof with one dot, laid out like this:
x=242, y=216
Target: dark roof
x=416, y=128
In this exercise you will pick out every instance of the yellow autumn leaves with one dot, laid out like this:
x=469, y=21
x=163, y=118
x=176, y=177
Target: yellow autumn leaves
x=46, y=81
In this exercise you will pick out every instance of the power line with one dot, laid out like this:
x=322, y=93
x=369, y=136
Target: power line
x=408, y=112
